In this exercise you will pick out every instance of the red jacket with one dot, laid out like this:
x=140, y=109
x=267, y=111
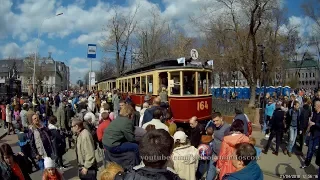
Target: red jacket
x=3, y=112
x=101, y=128
x=226, y=152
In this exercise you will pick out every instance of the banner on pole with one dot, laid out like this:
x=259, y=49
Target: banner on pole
x=92, y=51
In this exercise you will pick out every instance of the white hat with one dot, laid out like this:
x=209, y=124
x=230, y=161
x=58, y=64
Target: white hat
x=181, y=136
x=49, y=163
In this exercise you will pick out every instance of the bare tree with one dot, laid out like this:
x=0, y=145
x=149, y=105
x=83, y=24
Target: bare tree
x=235, y=36
x=121, y=27
x=107, y=70
x=40, y=71
x=153, y=39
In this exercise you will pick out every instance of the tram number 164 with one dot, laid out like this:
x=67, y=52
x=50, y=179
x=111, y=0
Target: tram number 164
x=202, y=105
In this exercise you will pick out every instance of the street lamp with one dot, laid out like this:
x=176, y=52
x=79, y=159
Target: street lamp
x=264, y=70
x=35, y=58
x=234, y=74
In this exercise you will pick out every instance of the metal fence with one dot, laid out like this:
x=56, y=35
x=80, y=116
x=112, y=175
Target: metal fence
x=226, y=108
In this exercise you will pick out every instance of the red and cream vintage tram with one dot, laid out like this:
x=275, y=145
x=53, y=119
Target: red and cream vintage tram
x=187, y=87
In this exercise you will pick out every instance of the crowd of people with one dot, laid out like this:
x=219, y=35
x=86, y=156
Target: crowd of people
x=144, y=143
x=298, y=116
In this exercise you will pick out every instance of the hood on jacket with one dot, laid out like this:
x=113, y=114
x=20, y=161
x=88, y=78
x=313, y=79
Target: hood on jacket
x=51, y=126
x=234, y=139
x=251, y=171
x=189, y=153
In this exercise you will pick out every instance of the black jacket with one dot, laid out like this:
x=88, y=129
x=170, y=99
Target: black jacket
x=148, y=174
x=58, y=142
x=289, y=118
x=304, y=117
x=315, y=129
x=277, y=121
x=195, y=135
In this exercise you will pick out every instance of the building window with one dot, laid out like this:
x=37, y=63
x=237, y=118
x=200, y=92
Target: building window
x=303, y=83
x=299, y=75
x=306, y=75
x=309, y=74
x=312, y=74
x=314, y=82
x=302, y=75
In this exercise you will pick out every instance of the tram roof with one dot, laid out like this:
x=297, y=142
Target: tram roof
x=158, y=65
x=162, y=64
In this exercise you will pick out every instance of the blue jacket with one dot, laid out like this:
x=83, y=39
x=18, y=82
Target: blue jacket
x=270, y=108
x=251, y=171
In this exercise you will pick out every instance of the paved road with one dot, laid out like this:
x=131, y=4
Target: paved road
x=272, y=166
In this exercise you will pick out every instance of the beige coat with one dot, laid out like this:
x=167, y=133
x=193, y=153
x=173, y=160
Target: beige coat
x=85, y=149
x=185, y=161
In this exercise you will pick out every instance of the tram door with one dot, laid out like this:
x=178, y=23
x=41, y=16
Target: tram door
x=163, y=81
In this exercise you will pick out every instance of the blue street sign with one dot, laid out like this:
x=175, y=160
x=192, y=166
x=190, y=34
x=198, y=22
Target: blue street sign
x=92, y=51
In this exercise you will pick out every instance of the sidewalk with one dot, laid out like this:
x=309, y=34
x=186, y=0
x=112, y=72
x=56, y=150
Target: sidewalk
x=276, y=167
x=3, y=133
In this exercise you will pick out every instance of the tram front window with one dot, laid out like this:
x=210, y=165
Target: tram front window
x=150, y=84
x=189, y=82
x=202, y=76
x=175, y=76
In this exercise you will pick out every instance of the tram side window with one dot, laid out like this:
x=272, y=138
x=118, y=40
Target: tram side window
x=175, y=76
x=189, y=82
x=133, y=84
x=202, y=82
x=138, y=85
x=150, y=84
x=143, y=84
x=129, y=85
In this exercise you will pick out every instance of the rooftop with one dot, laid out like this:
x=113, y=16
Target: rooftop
x=307, y=63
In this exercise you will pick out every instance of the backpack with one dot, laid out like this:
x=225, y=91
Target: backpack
x=249, y=128
x=249, y=125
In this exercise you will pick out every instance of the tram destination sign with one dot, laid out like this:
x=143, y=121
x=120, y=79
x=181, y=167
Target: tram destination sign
x=92, y=51
x=194, y=54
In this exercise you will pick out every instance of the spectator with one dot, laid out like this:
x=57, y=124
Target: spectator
x=58, y=141
x=111, y=116
x=156, y=143
x=51, y=172
x=9, y=119
x=207, y=138
x=241, y=116
x=224, y=165
x=148, y=114
x=145, y=106
x=13, y=166
x=305, y=116
x=314, y=134
x=277, y=129
x=24, y=144
x=293, y=123
x=246, y=168
x=61, y=115
x=185, y=167
x=111, y=170
x=150, y=127
x=119, y=135
x=196, y=131
x=84, y=151
x=270, y=107
x=220, y=130
x=136, y=114
x=157, y=114
x=40, y=141
x=30, y=113
x=105, y=123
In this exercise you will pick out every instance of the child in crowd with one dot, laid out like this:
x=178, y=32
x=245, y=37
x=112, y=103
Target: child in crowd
x=111, y=171
x=24, y=144
x=51, y=172
x=252, y=141
x=206, y=139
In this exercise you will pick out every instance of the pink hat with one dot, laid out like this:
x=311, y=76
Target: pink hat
x=111, y=116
